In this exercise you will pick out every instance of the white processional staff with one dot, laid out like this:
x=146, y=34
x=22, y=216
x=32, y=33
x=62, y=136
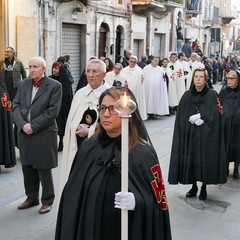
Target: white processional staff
x=124, y=107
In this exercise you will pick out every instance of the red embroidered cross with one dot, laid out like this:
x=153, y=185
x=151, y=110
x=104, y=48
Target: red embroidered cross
x=158, y=187
x=179, y=73
x=6, y=102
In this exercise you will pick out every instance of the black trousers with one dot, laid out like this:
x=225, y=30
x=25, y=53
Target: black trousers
x=33, y=178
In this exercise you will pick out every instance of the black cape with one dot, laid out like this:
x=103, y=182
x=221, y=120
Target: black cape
x=67, y=96
x=198, y=151
x=86, y=210
x=230, y=100
x=7, y=146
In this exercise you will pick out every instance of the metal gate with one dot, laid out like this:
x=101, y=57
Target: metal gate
x=136, y=44
x=157, y=45
x=71, y=39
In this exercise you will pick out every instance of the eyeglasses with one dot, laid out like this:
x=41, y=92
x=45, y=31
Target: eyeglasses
x=118, y=69
x=133, y=61
x=102, y=109
x=230, y=78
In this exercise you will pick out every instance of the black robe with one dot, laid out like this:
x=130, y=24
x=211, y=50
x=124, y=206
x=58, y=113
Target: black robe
x=7, y=146
x=67, y=96
x=230, y=99
x=198, y=151
x=86, y=210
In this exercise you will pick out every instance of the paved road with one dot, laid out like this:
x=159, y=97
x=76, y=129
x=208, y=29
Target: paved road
x=191, y=219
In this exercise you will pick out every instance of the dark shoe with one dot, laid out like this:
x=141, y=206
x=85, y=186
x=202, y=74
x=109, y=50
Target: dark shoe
x=60, y=147
x=45, y=209
x=28, y=204
x=192, y=192
x=203, y=194
x=235, y=175
x=235, y=171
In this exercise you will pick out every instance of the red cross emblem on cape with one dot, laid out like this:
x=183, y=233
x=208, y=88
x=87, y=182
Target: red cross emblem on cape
x=179, y=73
x=158, y=186
x=219, y=106
x=6, y=102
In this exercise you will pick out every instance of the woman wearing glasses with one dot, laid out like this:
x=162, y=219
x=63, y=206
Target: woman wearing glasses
x=198, y=146
x=91, y=202
x=230, y=99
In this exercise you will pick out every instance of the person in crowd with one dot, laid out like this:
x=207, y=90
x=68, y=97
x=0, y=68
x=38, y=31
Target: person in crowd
x=220, y=70
x=60, y=74
x=83, y=116
x=164, y=64
x=83, y=79
x=7, y=146
x=67, y=66
x=179, y=39
x=35, y=109
x=127, y=54
x=135, y=82
x=155, y=90
x=115, y=77
x=230, y=99
x=207, y=62
x=13, y=72
x=109, y=64
x=96, y=181
x=187, y=49
x=215, y=71
x=186, y=69
x=119, y=59
x=176, y=86
x=143, y=62
x=198, y=146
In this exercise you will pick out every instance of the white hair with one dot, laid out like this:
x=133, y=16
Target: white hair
x=100, y=62
x=38, y=59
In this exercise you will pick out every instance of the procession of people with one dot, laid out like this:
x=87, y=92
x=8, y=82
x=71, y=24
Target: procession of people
x=48, y=118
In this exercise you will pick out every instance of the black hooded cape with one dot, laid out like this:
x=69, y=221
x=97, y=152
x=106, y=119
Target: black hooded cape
x=7, y=146
x=198, y=151
x=86, y=210
x=230, y=100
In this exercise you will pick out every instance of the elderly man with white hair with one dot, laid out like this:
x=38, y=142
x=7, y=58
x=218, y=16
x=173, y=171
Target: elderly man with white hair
x=83, y=115
x=35, y=109
x=134, y=75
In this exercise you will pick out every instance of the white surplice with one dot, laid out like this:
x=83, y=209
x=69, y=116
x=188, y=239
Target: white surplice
x=156, y=90
x=134, y=77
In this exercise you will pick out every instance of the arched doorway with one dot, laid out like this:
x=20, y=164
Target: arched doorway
x=103, y=30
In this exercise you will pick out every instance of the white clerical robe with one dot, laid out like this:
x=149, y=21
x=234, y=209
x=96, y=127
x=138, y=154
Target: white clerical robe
x=84, y=98
x=111, y=76
x=187, y=74
x=136, y=84
x=156, y=90
x=176, y=85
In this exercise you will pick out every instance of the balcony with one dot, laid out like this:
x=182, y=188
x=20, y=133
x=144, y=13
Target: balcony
x=228, y=14
x=171, y=5
x=194, y=8
x=146, y=6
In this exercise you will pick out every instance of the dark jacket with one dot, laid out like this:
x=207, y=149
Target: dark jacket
x=40, y=148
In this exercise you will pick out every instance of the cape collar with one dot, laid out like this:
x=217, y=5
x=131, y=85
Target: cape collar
x=98, y=91
x=202, y=93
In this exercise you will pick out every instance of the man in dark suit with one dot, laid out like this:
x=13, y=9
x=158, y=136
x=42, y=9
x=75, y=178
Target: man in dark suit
x=35, y=109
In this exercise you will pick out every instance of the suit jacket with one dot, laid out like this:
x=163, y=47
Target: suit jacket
x=40, y=148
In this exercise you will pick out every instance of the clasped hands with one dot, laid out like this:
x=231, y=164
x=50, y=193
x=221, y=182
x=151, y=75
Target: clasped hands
x=82, y=130
x=196, y=119
x=125, y=201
